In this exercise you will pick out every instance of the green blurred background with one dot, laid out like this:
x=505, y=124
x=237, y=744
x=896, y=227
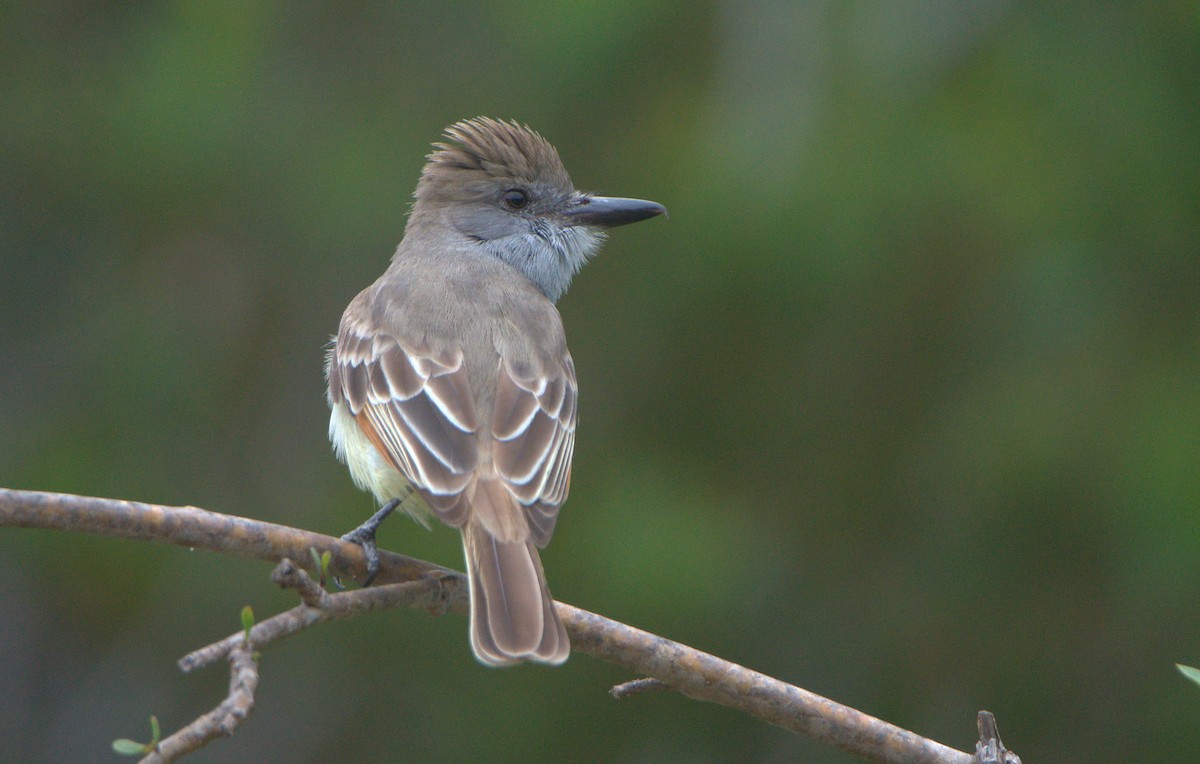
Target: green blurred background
x=902, y=403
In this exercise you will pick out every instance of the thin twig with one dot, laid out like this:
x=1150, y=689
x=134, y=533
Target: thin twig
x=638, y=687
x=990, y=748
x=222, y=720
x=427, y=592
x=319, y=606
x=694, y=673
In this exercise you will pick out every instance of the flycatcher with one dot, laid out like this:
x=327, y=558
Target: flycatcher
x=452, y=391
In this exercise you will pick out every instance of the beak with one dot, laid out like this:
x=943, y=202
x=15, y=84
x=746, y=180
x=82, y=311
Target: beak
x=610, y=212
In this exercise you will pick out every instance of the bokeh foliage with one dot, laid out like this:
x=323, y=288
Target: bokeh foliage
x=902, y=404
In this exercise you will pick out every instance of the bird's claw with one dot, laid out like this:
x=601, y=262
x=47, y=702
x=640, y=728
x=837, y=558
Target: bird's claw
x=364, y=536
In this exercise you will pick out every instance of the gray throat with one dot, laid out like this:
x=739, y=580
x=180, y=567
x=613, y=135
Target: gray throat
x=548, y=255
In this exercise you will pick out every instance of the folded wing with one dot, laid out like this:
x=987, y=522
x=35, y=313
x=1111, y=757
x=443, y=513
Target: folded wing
x=415, y=405
x=533, y=427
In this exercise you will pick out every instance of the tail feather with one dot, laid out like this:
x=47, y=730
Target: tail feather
x=512, y=613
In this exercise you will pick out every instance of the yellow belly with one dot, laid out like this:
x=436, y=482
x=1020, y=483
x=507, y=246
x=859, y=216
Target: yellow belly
x=370, y=470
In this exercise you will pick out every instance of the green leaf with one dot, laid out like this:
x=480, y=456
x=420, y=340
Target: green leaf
x=127, y=747
x=247, y=620
x=1189, y=672
x=320, y=564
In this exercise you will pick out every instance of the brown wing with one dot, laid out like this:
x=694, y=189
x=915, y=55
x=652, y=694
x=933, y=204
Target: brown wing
x=415, y=405
x=534, y=430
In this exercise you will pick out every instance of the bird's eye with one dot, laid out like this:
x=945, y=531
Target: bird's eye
x=515, y=198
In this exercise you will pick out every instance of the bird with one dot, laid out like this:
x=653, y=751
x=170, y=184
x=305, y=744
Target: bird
x=452, y=392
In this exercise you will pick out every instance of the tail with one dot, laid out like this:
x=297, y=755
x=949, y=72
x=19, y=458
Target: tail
x=512, y=613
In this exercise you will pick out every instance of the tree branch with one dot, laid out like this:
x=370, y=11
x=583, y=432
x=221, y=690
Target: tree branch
x=694, y=673
x=321, y=606
x=222, y=720
x=200, y=529
x=241, y=649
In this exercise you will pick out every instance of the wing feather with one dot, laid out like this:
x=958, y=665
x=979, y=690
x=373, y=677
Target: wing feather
x=416, y=407
x=534, y=429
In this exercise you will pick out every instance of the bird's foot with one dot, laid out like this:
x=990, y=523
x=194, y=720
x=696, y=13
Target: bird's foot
x=364, y=536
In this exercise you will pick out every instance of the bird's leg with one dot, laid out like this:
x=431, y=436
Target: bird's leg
x=364, y=536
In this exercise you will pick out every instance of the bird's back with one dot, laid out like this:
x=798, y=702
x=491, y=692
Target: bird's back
x=466, y=300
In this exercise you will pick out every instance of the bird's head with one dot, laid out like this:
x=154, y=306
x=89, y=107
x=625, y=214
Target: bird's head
x=502, y=188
